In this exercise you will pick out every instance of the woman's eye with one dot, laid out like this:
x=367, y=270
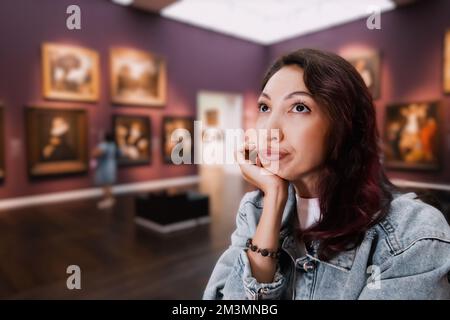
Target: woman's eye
x=263, y=107
x=300, y=108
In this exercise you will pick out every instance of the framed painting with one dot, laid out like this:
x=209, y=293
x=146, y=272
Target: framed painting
x=178, y=137
x=412, y=134
x=446, y=71
x=212, y=117
x=2, y=145
x=137, y=78
x=70, y=73
x=368, y=65
x=133, y=138
x=56, y=141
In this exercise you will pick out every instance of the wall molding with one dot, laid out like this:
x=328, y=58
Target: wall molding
x=21, y=202
x=417, y=184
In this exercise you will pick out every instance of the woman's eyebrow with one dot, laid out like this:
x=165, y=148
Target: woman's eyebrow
x=290, y=95
x=263, y=94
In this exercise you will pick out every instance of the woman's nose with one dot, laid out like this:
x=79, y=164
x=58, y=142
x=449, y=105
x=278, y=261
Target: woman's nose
x=274, y=129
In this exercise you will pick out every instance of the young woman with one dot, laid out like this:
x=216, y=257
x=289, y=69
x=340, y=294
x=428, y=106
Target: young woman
x=325, y=222
x=106, y=169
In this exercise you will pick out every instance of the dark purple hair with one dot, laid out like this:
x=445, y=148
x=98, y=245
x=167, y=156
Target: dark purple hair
x=354, y=191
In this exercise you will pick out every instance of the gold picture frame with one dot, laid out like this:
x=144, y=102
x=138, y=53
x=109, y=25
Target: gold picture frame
x=368, y=65
x=70, y=73
x=412, y=136
x=137, y=78
x=57, y=141
x=171, y=138
x=133, y=136
x=446, y=71
x=2, y=144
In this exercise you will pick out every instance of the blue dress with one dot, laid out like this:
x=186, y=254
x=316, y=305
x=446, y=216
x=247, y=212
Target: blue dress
x=106, y=171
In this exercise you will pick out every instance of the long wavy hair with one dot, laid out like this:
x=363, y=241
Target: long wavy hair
x=354, y=191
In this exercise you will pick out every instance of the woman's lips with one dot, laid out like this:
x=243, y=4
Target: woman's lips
x=273, y=155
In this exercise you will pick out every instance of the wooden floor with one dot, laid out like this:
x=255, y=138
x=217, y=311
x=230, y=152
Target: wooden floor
x=118, y=259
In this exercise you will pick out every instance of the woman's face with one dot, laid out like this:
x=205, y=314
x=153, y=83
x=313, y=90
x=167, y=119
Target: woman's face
x=287, y=105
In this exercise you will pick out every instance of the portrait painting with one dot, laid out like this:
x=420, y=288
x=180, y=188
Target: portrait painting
x=137, y=78
x=56, y=141
x=178, y=140
x=70, y=73
x=133, y=138
x=368, y=66
x=412, y=135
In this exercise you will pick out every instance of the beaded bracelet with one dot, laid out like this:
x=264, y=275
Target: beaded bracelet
x=263, y=252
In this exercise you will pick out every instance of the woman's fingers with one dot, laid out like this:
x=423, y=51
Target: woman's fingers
x=249, y=163
x=257, y=170
x=240, y=154
x=245, y=153
x=258, y=161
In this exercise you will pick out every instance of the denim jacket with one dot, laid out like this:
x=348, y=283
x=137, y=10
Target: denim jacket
x=405, y=256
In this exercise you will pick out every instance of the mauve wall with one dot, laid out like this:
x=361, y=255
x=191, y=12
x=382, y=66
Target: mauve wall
x=197, y=60
x=411, y=44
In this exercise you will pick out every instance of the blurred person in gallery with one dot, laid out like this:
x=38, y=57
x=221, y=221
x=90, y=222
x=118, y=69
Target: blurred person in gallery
x=106, y=154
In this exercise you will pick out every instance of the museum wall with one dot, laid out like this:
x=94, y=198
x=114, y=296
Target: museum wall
x=411, y=47
x=196, y=60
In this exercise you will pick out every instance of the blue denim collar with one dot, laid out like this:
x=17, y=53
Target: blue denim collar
x=343, y=261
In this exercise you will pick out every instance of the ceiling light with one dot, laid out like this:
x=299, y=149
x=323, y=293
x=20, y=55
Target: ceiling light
x=270, y=21
x=123, y=2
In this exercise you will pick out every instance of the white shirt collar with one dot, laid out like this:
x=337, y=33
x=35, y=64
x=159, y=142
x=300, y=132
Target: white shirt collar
x=308, y=211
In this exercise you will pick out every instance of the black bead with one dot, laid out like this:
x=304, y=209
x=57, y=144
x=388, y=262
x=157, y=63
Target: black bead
x=254, y=248
x=264, y=252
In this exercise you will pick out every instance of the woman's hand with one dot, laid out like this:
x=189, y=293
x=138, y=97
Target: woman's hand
x=254, y=172
x=275, y=191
